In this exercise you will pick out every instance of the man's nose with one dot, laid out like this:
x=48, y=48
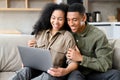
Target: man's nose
x=70, y=23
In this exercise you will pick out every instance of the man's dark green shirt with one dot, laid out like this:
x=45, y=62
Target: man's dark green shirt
x=95, y=49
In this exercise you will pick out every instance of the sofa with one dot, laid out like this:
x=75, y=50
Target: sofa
x=10, y=60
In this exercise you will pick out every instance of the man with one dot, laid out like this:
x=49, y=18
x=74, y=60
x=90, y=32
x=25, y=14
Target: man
x=93, y=52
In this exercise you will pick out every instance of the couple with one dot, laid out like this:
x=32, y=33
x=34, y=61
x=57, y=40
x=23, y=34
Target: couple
x=89, y=57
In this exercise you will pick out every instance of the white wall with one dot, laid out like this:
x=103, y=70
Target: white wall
x=19, y=20
x=107, y=8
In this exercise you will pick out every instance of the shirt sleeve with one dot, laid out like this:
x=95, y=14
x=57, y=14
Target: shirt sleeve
x=70, y=44
x=103, y=59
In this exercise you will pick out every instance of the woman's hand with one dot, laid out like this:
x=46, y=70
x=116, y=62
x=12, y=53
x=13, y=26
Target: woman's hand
x=57, y=72
x=31, y=43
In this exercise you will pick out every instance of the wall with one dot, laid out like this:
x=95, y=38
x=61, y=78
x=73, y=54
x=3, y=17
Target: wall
x=107, y=8
x=19, y=20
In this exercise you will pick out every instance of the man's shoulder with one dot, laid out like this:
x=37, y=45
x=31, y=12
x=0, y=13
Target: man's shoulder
x=96, y=31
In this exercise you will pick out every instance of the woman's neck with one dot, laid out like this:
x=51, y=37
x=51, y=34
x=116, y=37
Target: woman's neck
x=53, y=32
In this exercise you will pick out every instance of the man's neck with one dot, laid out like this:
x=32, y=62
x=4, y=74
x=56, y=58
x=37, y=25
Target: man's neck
x=81, y=29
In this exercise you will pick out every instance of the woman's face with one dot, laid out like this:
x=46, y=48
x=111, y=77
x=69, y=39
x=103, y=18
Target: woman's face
x=57, y=19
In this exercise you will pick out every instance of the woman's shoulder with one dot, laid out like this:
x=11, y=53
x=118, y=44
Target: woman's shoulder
x=68, y=34
x=41, y=33
x=68, y=37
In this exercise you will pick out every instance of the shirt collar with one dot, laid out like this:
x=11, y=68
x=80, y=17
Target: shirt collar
x=61, y=31
x=85, y=32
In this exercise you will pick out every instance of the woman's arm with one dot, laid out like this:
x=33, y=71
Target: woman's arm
x=57, y=72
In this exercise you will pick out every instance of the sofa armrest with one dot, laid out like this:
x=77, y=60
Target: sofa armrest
x=116, y=58
x=9, y=55
x=116, y=54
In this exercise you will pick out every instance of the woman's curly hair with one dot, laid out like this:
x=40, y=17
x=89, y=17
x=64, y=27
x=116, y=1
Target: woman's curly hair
x=43, y=22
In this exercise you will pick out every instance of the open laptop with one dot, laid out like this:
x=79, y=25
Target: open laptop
x=36, y=58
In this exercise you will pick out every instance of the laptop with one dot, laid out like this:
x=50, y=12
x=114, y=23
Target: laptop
x=36, y=58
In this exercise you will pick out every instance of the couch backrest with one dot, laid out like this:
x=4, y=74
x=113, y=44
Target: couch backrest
x=9, y=55
x=10, y=59
x=115, y=43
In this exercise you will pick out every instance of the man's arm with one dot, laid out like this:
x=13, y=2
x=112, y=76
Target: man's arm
x=103, y=60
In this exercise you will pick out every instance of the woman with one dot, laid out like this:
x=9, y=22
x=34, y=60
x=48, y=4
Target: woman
x=52, y=32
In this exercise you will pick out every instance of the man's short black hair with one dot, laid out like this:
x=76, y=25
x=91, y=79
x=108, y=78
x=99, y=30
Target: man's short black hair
x=74, y=1
x=76, y=7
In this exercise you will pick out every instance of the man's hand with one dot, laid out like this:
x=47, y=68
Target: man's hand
x=57, y=72
x=31, y=43
x=74, y=54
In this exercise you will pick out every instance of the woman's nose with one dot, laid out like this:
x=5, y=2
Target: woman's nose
x=55, y=21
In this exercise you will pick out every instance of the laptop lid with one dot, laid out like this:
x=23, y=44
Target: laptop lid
x=36, y=58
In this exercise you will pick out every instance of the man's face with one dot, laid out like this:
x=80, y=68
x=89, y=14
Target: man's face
x=74, y=19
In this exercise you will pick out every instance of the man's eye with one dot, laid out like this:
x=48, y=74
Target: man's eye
x=74, y=19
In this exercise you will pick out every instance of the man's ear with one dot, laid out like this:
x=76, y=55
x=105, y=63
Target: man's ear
x=84, y=18
x=82, y=23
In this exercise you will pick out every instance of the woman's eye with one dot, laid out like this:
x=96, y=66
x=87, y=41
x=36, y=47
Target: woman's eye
x=60, y=19
x=53, y=17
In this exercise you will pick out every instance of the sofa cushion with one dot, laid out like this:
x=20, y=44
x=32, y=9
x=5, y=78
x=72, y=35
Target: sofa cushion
x=117, y=43
x=9, y=55
x=116, y=58
x=112, y=42
x=6, y=75
x=116, y=55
